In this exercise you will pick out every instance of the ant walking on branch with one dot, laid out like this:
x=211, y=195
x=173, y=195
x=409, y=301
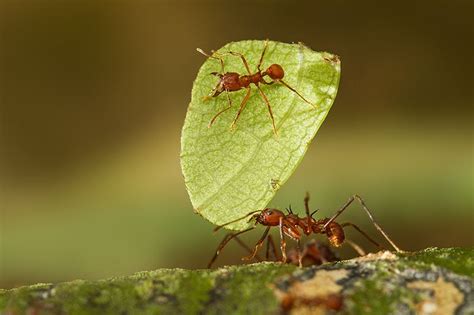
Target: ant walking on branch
x=233, y=81
x=294, y=227
x=314, y=252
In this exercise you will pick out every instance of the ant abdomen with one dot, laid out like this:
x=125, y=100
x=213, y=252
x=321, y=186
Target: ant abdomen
x=335, y=234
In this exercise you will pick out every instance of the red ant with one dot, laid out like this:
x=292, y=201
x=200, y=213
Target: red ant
x=314, y=253
x=294, y=227
x=233, y=81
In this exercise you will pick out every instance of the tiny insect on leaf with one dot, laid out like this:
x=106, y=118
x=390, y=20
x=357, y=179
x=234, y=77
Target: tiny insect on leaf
x=231, y=171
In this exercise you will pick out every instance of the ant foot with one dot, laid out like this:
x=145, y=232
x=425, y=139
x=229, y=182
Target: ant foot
x=211, y=122
x=248, y=257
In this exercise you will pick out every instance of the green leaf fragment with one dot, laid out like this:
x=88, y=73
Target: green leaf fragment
x=229, y=173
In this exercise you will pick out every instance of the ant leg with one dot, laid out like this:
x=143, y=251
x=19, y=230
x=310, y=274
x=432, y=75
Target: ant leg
x=217, y=228
x=344, y=207
x=300, y=256
x=356, y=247
x=242, y=57
x=212, y=94
x=269, y=108
x=242, y=106
x=371, y=217
x=214, y=90
x=282, y=241
x=222, y=111
x=362, y=232
x=271, y=244
x=224, y=242
x=213, y=57
x=248, y=249
x=296, y=92
x=377, y=226
x=263, y=54
x=266, y=83
x=258, y=245
x=267, y=251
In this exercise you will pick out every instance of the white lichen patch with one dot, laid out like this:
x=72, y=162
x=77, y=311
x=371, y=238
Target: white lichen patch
x=382, y=255
x=323, y=283
x=442, y=297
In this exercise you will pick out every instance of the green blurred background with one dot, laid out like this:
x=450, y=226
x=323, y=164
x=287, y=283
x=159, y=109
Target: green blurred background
x=94, y=94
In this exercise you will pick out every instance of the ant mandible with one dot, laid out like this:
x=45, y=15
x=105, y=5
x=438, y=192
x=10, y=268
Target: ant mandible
x=294, y=227
x=233, y=81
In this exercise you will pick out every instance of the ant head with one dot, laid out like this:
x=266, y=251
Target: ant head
x=275, y=72
x=269, y=217
x=335, y=234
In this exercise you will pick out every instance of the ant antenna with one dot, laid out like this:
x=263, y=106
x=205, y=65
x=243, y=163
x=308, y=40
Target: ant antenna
x=217, y=228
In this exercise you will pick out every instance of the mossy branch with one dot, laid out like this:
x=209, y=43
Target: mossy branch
x=434, y=281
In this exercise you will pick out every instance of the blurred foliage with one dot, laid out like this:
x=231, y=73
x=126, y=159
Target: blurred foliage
x=93, y=96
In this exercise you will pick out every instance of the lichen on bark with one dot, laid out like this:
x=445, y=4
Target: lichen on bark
x=435, y=281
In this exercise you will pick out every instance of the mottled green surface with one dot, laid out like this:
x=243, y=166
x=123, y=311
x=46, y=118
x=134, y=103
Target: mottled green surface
x=459, y=260
x=246, y=289
x=230, y=173
x=169, y=291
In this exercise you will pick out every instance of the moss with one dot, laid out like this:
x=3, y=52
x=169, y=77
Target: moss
x=458, y=260
x=380, y=295
x=371, y=287
x=245, y=290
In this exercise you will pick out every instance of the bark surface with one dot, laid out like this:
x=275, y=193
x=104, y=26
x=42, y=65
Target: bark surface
x=432, y=281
